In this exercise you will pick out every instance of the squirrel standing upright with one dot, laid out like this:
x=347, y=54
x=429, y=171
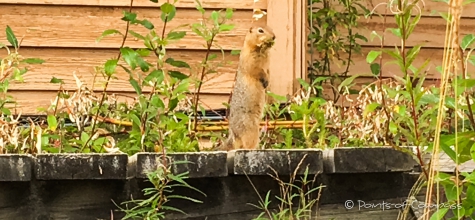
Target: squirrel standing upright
x=249, y=92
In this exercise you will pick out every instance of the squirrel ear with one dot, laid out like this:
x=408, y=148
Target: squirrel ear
x=250, y=30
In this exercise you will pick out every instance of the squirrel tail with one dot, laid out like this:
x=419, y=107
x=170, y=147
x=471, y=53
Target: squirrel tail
x=228, y=144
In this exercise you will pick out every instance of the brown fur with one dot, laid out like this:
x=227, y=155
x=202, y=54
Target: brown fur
x=249, y=92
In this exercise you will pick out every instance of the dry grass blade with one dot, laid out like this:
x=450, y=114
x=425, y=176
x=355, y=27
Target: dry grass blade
x=449, y=67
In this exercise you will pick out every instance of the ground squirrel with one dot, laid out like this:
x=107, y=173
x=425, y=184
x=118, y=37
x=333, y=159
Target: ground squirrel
x=249, y=92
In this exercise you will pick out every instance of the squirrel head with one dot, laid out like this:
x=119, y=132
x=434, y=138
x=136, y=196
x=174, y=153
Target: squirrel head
x=260, y=38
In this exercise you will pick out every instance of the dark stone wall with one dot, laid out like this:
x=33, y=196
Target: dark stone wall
x=65, y=186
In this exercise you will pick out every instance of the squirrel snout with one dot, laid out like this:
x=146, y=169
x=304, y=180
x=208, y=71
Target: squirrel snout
x=273, y=37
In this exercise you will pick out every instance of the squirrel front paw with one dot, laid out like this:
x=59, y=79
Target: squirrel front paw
x=264, y=82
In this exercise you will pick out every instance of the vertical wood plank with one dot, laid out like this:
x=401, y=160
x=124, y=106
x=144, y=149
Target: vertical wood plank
x=300, y=41
x=280, y=17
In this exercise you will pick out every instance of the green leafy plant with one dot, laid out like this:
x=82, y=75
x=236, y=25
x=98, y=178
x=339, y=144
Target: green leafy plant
x=155, y=205
x=333, y=40
x=298, y=197
x=12, y=69
x=164, y=114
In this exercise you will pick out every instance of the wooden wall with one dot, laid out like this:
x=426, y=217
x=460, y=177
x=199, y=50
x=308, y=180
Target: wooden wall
x=64, y=32
x=429, y=33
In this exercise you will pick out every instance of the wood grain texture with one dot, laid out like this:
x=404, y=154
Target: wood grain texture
x=434, y=55
x=62, y=63
x=359, y=84
x=429, y=32
x=28, y=102
x=80, y=26
x=427, y=8
x=244, y=4
x=282, y=56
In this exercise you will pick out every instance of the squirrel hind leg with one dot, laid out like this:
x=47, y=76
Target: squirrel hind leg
x=250, y=141
x=232, y=143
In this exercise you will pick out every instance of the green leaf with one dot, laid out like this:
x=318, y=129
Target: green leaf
x=177, y=75
x=429, y=99
x=156, y=74
x=107, y=33
x=109, y=67
x=370, y=108
x=136, y=35
x=199, y=7
x=84, y=137
x=177, y=63
x=154, y=1
x=143, y=52
x=212, y=56
x=215, y=16
x=375, y=69
x=6, y=111
x=466, y=83
x=129, y=56
x=396, y=32
x=157, y=102
x=439, y=214
x=347, y=82
x=176, y=35
x=52, y=122
x=56, y=80
x=372, y=55
x=129, y=16
x=393, y=127
x=235, y=52
x=11, y=37
x=279, y=98
x=167, y=7
x=229, y=13
x=466, y=2
x=226, y=27
x=33, y=61
x=168, y=12
x=412, y=54
x=467, y=41
x=374, y=34
x=172, y=104
x=303, y=83
x=471, y=60
x=136, y=86
x=361, y=37
x=144, y=66
x=147, y=24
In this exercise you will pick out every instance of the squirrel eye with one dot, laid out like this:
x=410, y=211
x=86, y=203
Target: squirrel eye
x=260, y=30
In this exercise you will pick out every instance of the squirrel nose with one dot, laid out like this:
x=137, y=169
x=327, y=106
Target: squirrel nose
x=273, y=37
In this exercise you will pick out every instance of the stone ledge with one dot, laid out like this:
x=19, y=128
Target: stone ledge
x=15, y=167
x=81, y=166
x=284, y=162
x=200, y=164
x=367, y=160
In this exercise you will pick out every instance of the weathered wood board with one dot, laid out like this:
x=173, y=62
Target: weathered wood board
x=262, y=4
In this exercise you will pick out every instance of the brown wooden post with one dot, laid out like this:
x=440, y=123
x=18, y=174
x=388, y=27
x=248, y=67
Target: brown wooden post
x=301, y=40
x=280, y=19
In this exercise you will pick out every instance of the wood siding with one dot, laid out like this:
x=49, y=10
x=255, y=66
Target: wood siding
x=63, y=32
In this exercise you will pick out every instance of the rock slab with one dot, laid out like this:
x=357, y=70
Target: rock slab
x=197, y=164
x=284, y=162
x=367, y=160
x=81, y=166
x=15, y=167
